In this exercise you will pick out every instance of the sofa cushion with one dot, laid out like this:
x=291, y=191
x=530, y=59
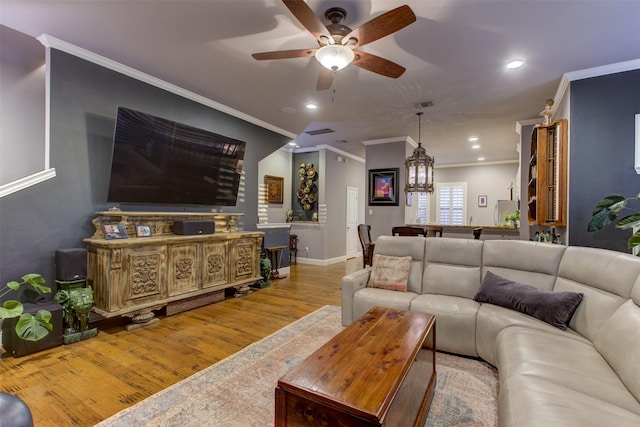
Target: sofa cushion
x=533, y=263
x=555, y=308
x=530, y=401
x=605, y=277
x=492, y=319
x=619, y=343
x=367, y=298
x=405, y=246
x=455, y=321
x=389, y=272
x=576, y=365
x=452, y=267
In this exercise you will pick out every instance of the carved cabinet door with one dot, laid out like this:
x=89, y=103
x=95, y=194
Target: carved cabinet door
x=144, y=280
x=244, y=259
x=183, y=268
x=214, y=264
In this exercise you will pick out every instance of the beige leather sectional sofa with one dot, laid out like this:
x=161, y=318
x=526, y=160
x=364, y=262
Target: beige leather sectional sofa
x=587, y=375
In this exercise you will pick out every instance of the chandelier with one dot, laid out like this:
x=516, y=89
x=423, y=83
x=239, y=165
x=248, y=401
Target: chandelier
x=419, y=168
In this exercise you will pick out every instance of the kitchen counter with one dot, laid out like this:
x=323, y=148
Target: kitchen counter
x=488, y=231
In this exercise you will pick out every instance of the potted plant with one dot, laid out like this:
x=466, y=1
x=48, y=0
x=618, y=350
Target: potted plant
x=29, y=327
x=76, y=305
x=607, y=211
x=512, y=219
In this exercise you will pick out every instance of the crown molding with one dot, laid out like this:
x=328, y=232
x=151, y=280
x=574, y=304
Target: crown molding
x=26, y=182
x=527, y=122
x=341, y=152
x=49, y=41
x=406, y=139
x=603, y=70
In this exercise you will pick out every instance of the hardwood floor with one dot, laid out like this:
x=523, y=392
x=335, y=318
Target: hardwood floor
x=83, y=383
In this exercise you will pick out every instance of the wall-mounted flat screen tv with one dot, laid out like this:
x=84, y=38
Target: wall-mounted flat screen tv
x=159, y=161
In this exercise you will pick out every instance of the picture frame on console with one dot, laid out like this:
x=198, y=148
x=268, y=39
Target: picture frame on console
x=383, y=187
x=114, y=231
x=143, y=230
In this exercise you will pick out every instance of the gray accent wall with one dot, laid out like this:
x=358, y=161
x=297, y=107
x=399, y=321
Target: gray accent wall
x=386, y=156
x=601, y=135
x=57, y=213
x=340, y=172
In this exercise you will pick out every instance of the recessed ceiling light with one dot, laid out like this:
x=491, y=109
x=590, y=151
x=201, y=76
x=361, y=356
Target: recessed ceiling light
x=311, y=106
x=516, y=63
x=473, y=138
x=475, y=146
x=293, y=143
x=480, y=159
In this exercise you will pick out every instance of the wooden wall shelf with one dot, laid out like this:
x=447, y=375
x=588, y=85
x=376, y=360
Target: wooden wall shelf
x=547, y=183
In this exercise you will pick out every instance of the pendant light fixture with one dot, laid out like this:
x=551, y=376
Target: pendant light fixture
x=419, y=167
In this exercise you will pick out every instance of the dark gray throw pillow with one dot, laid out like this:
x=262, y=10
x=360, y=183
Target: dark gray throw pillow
x=555, y=308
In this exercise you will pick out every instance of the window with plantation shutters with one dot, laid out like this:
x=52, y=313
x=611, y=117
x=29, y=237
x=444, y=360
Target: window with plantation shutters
x=451, y=203
x=423, y=211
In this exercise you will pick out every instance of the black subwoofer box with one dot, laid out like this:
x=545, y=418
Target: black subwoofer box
x=71, y=264
x=194, y=227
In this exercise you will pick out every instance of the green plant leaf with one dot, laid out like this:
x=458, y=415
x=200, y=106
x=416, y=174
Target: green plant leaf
x=617, y=207
x=11, y=309
x=634, y=241
x=630, y=221
x=600, y=219
x=34, y=328
x=13, y=285
x=37, y=281
x=607, y=202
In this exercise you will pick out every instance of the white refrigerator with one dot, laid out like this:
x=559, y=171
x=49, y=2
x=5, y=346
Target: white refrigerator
x=501, y=206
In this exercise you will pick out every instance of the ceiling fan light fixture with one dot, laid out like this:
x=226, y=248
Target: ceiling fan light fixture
x=515, y=64
x=335, y=57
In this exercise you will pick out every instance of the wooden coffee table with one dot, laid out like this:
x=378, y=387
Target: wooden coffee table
x=379, y=371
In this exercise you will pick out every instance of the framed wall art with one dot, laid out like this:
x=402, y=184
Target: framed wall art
x=482, y=201
x=383, y=187
x=275, y=185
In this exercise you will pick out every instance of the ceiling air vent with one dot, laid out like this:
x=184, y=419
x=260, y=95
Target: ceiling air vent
x=319, y=131
x=424, y=104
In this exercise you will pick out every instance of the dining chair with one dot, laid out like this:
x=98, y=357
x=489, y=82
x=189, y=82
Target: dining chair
x=364, y=233
x=433, y=231
x=407, y=231
x=476, y=233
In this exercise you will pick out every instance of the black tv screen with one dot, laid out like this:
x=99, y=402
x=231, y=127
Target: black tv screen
x=158, y=161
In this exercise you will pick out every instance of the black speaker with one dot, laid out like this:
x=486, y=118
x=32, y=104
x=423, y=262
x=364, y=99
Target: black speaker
x=194, y=227
x=71, y=264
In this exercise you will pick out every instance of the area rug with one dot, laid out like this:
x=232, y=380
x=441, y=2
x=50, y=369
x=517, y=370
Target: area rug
x=239, y=390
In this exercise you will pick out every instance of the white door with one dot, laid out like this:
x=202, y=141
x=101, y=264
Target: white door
x=353, y=244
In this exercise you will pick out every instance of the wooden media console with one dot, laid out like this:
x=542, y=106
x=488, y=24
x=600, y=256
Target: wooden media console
x=135, y=275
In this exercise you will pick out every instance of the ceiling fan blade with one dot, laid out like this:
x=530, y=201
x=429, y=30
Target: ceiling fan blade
x=309, y=20
x=379, y=27
x=284, y=54
x=325, y=79
x=378, y=65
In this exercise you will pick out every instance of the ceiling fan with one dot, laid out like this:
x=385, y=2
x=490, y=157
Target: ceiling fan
x=338, y=42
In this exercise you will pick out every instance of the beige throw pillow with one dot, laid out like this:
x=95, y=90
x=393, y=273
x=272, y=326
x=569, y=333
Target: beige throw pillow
x=390, y=272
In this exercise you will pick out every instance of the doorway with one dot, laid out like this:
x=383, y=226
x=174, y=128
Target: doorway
x=353, y=244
